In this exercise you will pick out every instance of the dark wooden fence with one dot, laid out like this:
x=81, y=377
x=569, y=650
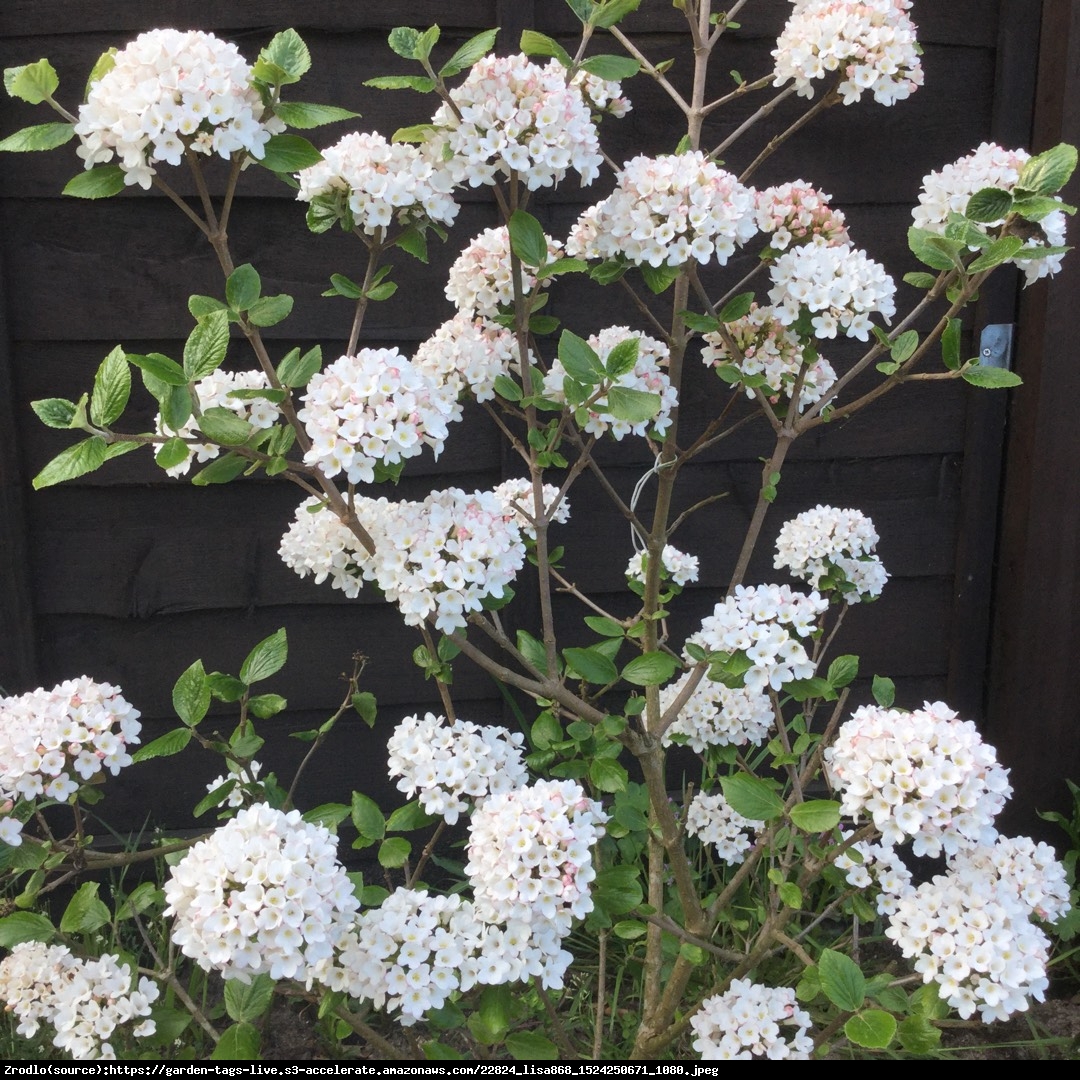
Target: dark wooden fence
x=129, y=576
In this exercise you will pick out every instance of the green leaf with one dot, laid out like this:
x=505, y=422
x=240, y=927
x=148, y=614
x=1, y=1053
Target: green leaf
x=394, y=852
x=404, y=40
x=790, y=895
x=873, y=1029
x=226, y=688
x=507, y=389
x=904, y=346
x=33, y=83
x=842, y=671
x=632, y=406
x=950, y=345
x=703, y=324
x=650, y=669
x=802, y=689
x=629, y=930
x=534, y=43
x=221, y=425
x=55, y=412
x=365, y=705
x=420, y=83
x=998, y=252
x=140, y=899
x=215, y=797
x=437, y=1051
x=191, y=694
x=99, y=182
x=607, y=775
x=170, y=743
x=841, y=980
x=416, y=133
x=527, y=239
x=288, y=154
x=617, y=890
x=270, y=310
x=580, y=359
x=816, y=816
x=240, y=1042
x=24, y=926
x=884, y=691
x=295, y=370
x=284, y=60
x=383, y=291
x=1046, y=173
x=611, y=67
x=991, y=378
x=266, y=659
x=160, y=367
x=736, y=308
x=918, y=1035
x=220, y=471
x=658, y=279
x=1036, y=207
x=248, y=1001
x=753, y=798
x=622, y=358
x=612, y=11
x=926, y=247
x=920, y=280
x=206, y=345
x=329, y=815
x=409, y=817
x=528, y=1046
x=469, y=53
x=303, y=115
x=345, y=286
x=78, y=460
x=243, y=287
x=85, y=912
x=38, y=137
x=989, y=205
x=263, y=706
x=591, y=666
x=603, y=625
x=104, y=64
x=367, y=817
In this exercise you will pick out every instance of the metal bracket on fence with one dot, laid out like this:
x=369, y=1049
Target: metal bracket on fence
x=996, y=345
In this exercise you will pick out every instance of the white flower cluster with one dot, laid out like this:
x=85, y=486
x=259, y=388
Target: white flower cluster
x=839, y=284
x=601, y=95
x=450, y=764
x=86, y=1002
x=51, y=741
x=530, y=857
x=383, y=182
x=880, y=867
x=480, y=281
x=237, y=796
x=514, y=116
x=468, y=354
x=870, y=42
x=717, y=715
x=771, y=351
x=747, y=1021
x=948, y=191
x=443, y=556
x=924, y=775
x=765, y=622
x=646, y=376
x=168, y=92
x=969, y=929
x=516, y=495
x=376, y=407
x=666, y=211
x=676, y=565
x=214, y=392
x=795, y=212
x=824, y=542
x=262, y=894
x=713, y=821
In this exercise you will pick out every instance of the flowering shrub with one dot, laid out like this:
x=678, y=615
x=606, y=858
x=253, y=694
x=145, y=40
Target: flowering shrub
x=561, y=859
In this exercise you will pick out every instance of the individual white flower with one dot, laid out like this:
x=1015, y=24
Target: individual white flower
x=747, y=1021
x=374, y=408
x=513, y=116
x=264, y=893
x=646, y=376
x=713, y=821
x=85, y=1002
x=837, y=545
x=770, y=356
x=215, y=391
x=924, y=775
x=170, y=92
x=666, y=211
x=470, y=354
x=948, y=191
x=382, y=183
x=677, y=566
x=839, y=285
x=871, y=43
x=449, y=764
